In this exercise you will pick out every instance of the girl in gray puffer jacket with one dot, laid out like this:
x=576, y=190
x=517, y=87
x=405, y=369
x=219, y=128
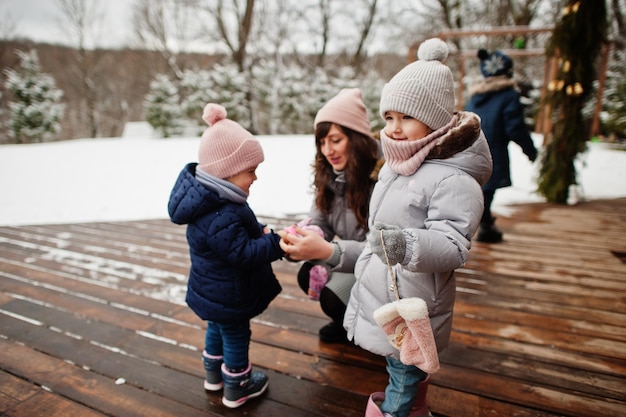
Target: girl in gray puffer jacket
x=424, y=210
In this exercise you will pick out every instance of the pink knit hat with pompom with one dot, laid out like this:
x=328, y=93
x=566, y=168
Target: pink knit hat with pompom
x=226, y=148
x=423, y=89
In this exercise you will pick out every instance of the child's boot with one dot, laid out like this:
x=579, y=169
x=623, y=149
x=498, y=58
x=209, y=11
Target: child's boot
x=420, y=406
x=213, y=368
x=242, y=386
x=373, y=405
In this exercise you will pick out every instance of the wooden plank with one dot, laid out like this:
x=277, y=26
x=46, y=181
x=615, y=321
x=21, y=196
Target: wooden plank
x=533, y=394
x=89, y=388
x=539, y=326
x=165, y=384
x=14, y=391
x=526, y=369
x=46, y=404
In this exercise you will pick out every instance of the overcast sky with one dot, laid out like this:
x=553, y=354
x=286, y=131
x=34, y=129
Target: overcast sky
x=40, y=20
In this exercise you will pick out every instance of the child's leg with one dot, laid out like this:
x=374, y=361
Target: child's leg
x=402, y=389
x=240, y=383
x=236, y=342
x=212, y=358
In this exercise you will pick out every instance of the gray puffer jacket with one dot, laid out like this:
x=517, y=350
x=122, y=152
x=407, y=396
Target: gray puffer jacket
x=439, y=209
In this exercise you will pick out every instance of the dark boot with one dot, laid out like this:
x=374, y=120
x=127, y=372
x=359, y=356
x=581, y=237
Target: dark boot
x=213, y=368
x=420, y=406
x=242, y=386
x=488, y=232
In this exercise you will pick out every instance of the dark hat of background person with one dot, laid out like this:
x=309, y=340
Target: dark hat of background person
x=495, y=64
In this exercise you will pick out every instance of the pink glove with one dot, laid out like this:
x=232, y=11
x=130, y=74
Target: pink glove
x=304, y=224
x=318, y=277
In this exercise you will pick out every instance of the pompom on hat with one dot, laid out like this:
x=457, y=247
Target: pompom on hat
x=495, y=64
x=424, y=89
x=226, y=148
x=346, y=109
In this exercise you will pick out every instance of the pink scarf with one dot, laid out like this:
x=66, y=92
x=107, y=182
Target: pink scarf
x=406, y=156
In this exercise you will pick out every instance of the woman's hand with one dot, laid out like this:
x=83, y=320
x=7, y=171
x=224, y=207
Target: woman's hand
x=307, y=245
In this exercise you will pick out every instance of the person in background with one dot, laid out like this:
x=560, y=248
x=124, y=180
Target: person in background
x=345, y=169
x=424, y=210
x=231, y=278
x=496, y=99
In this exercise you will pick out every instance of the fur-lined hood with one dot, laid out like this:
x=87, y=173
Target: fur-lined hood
x=465, y=147
x=459, y=137
x=492, y=84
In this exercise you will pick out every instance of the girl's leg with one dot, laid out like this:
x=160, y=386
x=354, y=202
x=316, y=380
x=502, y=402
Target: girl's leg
x=240, y=383
x=212, y=358
x=236, y=342
x=213, y=339
x=402, y=388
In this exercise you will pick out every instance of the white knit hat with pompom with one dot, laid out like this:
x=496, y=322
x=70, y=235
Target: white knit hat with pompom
x=226, y=148
x=423, y=89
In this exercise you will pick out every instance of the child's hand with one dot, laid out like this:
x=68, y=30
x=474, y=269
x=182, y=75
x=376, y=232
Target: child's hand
x=390, y=239
x=306, y=244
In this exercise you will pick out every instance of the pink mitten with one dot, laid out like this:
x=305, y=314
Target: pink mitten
x=318, y=277
x=388, y=318
x=419, y=347
x=304, y=224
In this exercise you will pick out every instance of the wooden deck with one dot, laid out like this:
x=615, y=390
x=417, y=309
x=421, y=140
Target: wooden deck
x=539, y=326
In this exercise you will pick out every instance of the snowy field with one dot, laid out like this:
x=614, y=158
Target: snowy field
x=130, y=178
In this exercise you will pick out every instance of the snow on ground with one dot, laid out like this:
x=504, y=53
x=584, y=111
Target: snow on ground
x=130, y=178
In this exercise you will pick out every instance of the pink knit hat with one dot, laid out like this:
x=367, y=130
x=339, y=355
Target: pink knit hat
x=346, y=109
x=226, y=148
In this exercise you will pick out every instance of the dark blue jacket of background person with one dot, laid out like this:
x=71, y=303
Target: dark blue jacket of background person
x=497, y=101
x=231, y=277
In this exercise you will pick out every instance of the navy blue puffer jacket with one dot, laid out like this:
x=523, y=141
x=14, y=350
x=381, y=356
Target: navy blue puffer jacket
x=497, y=101
x=231, y=277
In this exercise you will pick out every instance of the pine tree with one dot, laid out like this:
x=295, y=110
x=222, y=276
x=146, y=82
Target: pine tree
x=35, y=106
x=575, y=43
x=614, y=104
x=162, y=107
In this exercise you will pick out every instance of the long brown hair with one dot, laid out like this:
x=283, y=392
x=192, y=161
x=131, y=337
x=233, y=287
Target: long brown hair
x=362, y=159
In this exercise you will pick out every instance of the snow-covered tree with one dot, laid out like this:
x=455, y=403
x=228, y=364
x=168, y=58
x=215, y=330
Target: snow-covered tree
x=162, y=107
x=35, y=105
x=222, y=85
x=229, y=87
x=196, y=90
x=371, y=86
x=614, y=112
x=299, y=97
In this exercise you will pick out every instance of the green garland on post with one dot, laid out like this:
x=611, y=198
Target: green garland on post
x=576, y=42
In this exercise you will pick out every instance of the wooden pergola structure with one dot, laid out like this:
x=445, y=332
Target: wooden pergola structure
x=543, y=123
